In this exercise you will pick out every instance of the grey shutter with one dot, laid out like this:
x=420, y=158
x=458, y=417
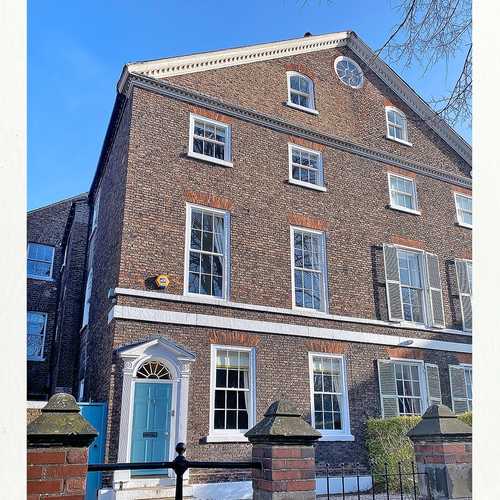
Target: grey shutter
x=392, y=283
x=435, y=293
x=388, y=391
x=464, y=288
x=433, y=384
x=458, y=390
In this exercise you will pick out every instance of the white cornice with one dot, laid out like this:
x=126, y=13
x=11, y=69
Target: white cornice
x=162, y=68
x=173, y=66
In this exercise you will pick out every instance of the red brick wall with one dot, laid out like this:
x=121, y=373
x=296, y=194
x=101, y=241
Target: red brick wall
x=56, y=473
x=356, y=114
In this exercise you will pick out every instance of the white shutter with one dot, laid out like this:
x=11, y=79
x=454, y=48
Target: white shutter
x=435, y=293
x=458, y=390
x=464, y=288
x=388, y=391
x=433, y=384
x=392, y=284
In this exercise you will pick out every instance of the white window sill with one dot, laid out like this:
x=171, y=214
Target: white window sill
x=306, y=185
x=336, y=437
x=406, y=143
x=461, y=224
x=226, y=438
x=407, y=210
x=302, y=108
x=209, y=299
x=210, y=159
x=41, y=278
x=310, y=310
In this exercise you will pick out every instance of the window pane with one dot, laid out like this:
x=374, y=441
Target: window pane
x=242, y=420
x=220, y=399
x=219, y=419
x=231, y=399
x=221, y=377
x=194, y=283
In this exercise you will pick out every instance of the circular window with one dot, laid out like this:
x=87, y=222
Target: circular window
x=153, y=369
x=349, y=72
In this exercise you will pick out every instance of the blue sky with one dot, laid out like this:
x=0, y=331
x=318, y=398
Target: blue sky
x=76, y=51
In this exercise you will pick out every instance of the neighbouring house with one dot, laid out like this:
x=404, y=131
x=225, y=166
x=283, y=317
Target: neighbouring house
x=284, y=220
x=57, y=243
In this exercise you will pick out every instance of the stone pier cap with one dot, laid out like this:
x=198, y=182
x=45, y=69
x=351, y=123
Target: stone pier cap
x=283, y=423
x=440, y=423
x=60, y=424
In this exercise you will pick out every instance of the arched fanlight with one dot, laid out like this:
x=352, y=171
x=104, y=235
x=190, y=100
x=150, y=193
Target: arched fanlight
x=153, y=369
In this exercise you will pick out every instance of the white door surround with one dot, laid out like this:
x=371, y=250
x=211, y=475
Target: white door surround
x=178, y=361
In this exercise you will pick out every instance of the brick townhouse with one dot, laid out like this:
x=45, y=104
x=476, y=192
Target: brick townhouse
x=57, y=243
x=284, y=220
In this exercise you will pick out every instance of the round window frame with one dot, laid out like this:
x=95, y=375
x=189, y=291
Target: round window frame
x=345, y=58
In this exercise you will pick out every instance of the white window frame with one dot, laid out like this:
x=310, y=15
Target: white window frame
x=95, y=210
x=426, y=313
x=41, y=357
x=292, y=180
x=226, y=278
x=310, y=96
x=392, y=202
x=65, y=254
x=88, y=297
x=331, y=434
x=464, y=366
x=226, y=162
x=457, y=209
x=424, y=395
x=231, y=435
x=467, y=366
x=344, y=58
x=405, y=126
x=36, y=276
x=324, y=295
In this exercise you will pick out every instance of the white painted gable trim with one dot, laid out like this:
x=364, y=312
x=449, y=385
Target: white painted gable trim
x=173, y=66
x=163, y=68
x=204, y=320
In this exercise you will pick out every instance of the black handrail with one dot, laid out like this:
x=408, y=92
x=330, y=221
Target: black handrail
x=179, y=465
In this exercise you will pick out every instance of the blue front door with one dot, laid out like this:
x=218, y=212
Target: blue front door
x=95, y=413
x=151, y=425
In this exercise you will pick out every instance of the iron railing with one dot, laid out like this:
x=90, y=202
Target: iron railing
x=179, y=465
x=397, y=484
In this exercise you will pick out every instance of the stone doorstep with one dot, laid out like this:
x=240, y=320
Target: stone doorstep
x=144, y=493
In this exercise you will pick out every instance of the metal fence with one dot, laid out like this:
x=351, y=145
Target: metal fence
x=348, y=481
x=179, y=465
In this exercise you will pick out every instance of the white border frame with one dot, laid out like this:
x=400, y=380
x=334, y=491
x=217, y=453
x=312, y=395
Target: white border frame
x=41, y=357
x=231, y=435
x=312, y=99
x=319, y=154
x=331, y=435
x=325, y=300
x=35, y=276
x=405, y=128
x=459, y=222
x=414, y=211
x=226, y=279
x=226, y=162
x=345, y=58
